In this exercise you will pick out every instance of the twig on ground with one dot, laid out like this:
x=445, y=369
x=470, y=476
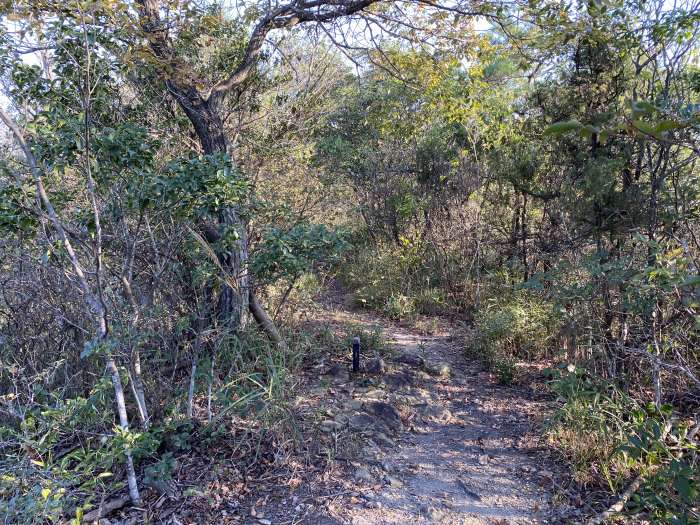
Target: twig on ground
x=105, y=508
x=627, y=494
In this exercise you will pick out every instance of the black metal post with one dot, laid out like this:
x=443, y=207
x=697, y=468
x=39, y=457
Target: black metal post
x=355, y=354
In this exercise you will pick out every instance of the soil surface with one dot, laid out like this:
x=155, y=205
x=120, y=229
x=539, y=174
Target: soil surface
x=462, y=453
x=463, y=458
x=421, y=435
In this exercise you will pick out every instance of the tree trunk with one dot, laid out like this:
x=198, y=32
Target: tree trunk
x=124, y=424
x=233, y=297
x=523, y=235
x=266, y=323
x=202, y=109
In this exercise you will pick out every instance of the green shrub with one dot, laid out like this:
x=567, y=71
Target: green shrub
x=399, y=306
x=367, y=296
x=518, y=326
x=589, y=425
x=430, y=301
x=62, y=453
x=394, y=280
x=506, y=370
x=371, y=339
x=609, y=437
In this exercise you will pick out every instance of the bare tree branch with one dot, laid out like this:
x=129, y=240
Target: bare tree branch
x=286, y=16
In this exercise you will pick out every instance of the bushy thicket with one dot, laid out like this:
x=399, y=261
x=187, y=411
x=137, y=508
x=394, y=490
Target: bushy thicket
x=63, y=452
x=559, y=217
x=538, y=181
x=394, y=281
x=130, y=256
x=515, y=327
x=610, y=437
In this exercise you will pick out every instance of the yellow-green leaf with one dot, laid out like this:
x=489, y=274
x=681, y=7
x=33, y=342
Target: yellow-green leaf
x=562, y=127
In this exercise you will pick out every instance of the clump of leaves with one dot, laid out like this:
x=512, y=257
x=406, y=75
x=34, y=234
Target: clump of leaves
x=396, y=282
x=517, y=326
x=62, y=454
x=289, y=253
x=506, y=370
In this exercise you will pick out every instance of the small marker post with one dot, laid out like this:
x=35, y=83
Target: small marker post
x=355, y=355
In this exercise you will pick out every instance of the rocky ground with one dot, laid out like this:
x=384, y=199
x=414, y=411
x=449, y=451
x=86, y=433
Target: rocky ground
x=421, y=435
x=444, y=444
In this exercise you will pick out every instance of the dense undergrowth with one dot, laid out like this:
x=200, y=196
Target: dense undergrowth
x=64, y=457
x=605, y=424
x=178, y=184
x=64, y=454
x=396, y=282
x=608, y=438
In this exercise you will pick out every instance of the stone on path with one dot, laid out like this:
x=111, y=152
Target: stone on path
x=382, y=439
x=438, y=369
x=393, y=481
x=338, y=373
x=330, y=425
x=387, y=413
x=362, y=474
x=354, y=404
x=375, y=366
x=400, y=379
x=364, y=422
x=409, y=358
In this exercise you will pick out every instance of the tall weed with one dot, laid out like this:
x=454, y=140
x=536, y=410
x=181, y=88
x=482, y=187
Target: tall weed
x=395, y=280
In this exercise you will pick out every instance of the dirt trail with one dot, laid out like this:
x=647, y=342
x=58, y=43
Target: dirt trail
x=421, y=436
x=464, y=453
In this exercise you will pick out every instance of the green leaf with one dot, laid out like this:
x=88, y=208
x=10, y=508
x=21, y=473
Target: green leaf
x=682, y=486
x=563, y=127
x=588, y=130
x=95, y=345
x=89, y=348
x=692, y=280
x=667, y=125
x=644, y=127
x=641, y=107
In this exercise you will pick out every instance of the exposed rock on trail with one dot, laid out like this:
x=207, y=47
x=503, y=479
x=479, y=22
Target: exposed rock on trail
x=444, y=444
x=422, y=437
